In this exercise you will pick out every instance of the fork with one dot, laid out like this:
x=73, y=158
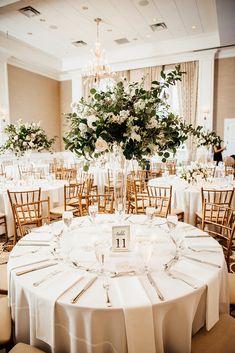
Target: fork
x=171, y=262
x=108, y=301
x=194, y=286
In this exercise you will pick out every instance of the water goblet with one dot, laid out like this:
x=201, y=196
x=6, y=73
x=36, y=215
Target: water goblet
x=67, y=219
x=93, y=210
x=101, y=249
x=145, y=249
x=150, y=211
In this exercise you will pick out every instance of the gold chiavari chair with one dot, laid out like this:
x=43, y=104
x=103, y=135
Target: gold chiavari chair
x=109, y=184
x=135, y=195
x=68, y=174
x=32, y=214
x=73, y=198
x=166, y=191
x=219, y=197
x=105, y=203
x=219, y=221
x=2, y=171
x=19, y=198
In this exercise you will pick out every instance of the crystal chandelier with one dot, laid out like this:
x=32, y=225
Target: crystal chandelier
x=97, y=68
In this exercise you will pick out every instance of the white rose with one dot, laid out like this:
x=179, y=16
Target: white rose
x=24, y=143
x=31, y=144
x=16, y=138
x=135, y=136
x=101, y=145
x=90, y=120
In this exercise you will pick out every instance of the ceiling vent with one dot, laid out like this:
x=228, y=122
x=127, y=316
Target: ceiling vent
x=79, y=43
x=29, y=11
x=158, y=26
x=122, y=41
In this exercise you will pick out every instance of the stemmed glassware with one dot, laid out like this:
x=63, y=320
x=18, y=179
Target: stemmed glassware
x=102, y=249
x=145, y=249
x=67, y=217
x=93, y=210
x=150, y=212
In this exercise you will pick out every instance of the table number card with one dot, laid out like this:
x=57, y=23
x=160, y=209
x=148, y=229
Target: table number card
x=121, y=238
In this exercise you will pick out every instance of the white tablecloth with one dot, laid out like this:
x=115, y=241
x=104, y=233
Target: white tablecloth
x=188, y=197
x=44, y=316
x=53, y=189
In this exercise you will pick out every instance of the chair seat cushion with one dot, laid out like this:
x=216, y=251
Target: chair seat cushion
x=5, y=321
x=2, y=215
x=60, y=209
x=220, y=339
x=25, y=348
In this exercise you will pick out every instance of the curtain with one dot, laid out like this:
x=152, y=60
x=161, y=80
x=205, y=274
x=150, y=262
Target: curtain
x=188, y=96
x=123, y=74
x=149, y=73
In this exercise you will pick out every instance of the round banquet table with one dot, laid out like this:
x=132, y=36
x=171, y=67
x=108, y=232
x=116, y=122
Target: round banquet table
x=53, y=189
x=138, y=321
x=188, y=197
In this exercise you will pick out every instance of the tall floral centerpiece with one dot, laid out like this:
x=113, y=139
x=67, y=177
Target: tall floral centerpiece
x=24, y=137
x=128, y=121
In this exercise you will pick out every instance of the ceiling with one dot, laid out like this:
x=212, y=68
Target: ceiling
x=47, y=37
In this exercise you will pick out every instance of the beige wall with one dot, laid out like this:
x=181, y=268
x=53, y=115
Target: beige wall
x=65, y=106
x=34, y=98
x=224, y=93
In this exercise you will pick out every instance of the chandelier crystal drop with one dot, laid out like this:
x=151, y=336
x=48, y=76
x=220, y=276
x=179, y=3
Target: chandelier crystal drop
x=98, y=67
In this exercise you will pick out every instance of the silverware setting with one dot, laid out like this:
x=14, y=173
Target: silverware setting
x=47, y=277
x=106, y=287
x=36, y=268
x=25, y=243
x=155, y=286
x=176, y=277
x=123, y=273
x=201, y=261
x=81, y=267
x=171, y=262
x=88, y=285
x=197, y=236
x=204, y=250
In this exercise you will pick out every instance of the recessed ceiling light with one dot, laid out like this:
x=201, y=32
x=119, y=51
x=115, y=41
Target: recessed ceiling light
x=29, y=33
x=42, y=20
x=135, y=38
x=53, y=27
x=109, y=30
x=143, y=2
x=154, y=20
x=193, y=27
x=147, y=35
x=84, y=8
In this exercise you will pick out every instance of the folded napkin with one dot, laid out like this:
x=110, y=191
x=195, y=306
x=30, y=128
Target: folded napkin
x=203, y=243
x=45, y=299
x=138, y=315
x=210, y=276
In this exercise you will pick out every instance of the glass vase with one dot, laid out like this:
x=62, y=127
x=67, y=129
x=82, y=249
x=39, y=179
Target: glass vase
x=119, y=170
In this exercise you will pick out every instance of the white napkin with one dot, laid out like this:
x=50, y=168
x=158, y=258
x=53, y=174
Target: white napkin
x=138, y=315
x=206, y=275
x=45, y=300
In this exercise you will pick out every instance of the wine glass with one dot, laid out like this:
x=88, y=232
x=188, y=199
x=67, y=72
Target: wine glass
x=93, y=210
x=67, y=219
x=145, y=249
x=101, y=249
x=150, y=211
x=171, y=221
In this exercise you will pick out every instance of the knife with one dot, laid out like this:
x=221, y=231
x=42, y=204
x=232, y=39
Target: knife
x=197, y=236
x=201, y=261
x=32, y=244
x=88, y=285
x=154, y=284
x=35, y=269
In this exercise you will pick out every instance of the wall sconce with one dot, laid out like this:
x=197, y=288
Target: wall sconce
x=205, y=114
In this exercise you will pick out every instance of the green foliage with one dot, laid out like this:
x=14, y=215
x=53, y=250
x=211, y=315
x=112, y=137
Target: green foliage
x=22, y=137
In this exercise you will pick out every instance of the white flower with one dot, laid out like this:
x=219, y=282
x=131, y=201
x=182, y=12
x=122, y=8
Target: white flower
x=139, y=105
x=31, y=144
x=16, y=138
x=24, y=143
x=101, y=145
x=135, y=136
x=82, y=127
x=90, y=120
